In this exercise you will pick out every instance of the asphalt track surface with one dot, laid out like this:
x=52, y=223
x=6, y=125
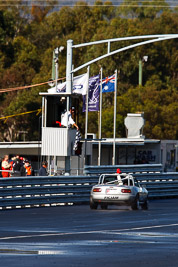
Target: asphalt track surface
x=76, y=236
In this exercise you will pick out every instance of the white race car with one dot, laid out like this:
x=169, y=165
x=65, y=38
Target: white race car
x=118, y=189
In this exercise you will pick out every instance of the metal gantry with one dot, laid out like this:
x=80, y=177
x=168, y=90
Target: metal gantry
x=69, y=67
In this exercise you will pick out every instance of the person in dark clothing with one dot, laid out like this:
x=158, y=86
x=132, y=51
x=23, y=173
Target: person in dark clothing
x=17, y=166
x=0, y=167
x=26, y=170
x=42, y=170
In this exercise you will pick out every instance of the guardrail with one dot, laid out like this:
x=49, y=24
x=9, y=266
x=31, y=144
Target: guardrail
x=159, y=185
x=136, y=168
x=40, y=191
x=71, y=190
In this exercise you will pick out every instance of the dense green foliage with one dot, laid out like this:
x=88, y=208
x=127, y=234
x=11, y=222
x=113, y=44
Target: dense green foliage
x=28, y=36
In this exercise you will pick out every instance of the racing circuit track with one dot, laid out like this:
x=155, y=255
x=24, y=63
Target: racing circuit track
x=77, y=236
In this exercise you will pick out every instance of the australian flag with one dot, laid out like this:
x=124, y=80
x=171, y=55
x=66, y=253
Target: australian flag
x=108, y=84
x=93, y=94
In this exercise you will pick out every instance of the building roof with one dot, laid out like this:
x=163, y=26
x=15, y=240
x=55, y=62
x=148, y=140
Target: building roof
x=126, y=141
x=33, y=144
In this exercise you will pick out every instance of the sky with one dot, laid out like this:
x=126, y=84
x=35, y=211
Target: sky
x=61, y=3
x=70, y=3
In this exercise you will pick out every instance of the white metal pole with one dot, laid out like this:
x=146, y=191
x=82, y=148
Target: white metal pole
x=69, y=67
x=109, y=47
x=69, y=92
x=53, y=67
x=114, y=130
x=56, y=69
x=45, y=112
x=86, y=114
x=169, y=36
x=121, y=49
x=100, y=118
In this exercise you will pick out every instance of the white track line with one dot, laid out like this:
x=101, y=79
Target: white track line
x=88, y=232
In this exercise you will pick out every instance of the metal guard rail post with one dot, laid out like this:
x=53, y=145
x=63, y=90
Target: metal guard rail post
x=37, y=191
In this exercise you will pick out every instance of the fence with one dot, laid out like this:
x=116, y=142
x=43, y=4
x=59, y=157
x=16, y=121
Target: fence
x=71, y=190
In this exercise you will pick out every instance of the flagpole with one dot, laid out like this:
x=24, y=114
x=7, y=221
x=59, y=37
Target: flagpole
x=100, y=118
x=86, y=116
x=114, y=130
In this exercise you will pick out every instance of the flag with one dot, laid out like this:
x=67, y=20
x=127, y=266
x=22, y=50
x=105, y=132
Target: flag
x=93, y=94
x=108, y=84
x=80, y=85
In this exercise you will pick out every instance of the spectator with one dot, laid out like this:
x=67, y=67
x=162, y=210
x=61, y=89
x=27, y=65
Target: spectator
x=11, y=162
x=26, y=169
x=17, y=157
x=6, y=167
x=0, y=167
x=17, y=164
x=42, y=170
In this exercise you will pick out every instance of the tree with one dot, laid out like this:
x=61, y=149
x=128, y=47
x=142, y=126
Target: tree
x=39, y=9
x=26, y=47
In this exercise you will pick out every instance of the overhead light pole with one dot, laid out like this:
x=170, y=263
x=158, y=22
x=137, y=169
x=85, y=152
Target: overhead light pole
x=140, y=75
x=55, y=64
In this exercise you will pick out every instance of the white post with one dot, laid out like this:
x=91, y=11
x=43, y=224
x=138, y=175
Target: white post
x=68, y=91
x=109, y=47
x=114, y=130
x=53, y=67
x=69, y=67
x=100, y=118
x=86, y=115
x=56, y=65
x=55, y=165
x=45, y=112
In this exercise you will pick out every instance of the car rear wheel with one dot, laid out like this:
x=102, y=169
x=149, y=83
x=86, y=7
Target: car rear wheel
x=104, y=206
x=93, y=205
x=135, y=204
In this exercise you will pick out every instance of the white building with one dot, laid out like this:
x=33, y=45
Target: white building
x=135, y=148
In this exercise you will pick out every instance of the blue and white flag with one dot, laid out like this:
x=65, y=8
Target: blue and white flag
x=93, y=94
x=80, y=85
x=108, y=84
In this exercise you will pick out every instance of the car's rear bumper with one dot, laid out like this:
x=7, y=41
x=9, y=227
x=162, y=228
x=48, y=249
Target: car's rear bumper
x=113, y=198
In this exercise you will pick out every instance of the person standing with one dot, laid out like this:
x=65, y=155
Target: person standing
x=0, y=167
x=26, y=170
x=43, y=169
x=6, y=167
x=17, y=164
x=68, y=116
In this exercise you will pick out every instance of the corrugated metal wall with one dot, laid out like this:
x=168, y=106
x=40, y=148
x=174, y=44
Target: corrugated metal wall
x=57, y=141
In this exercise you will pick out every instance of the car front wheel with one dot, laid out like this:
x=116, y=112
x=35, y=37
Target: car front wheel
x=135, y=204
x=145, y=205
